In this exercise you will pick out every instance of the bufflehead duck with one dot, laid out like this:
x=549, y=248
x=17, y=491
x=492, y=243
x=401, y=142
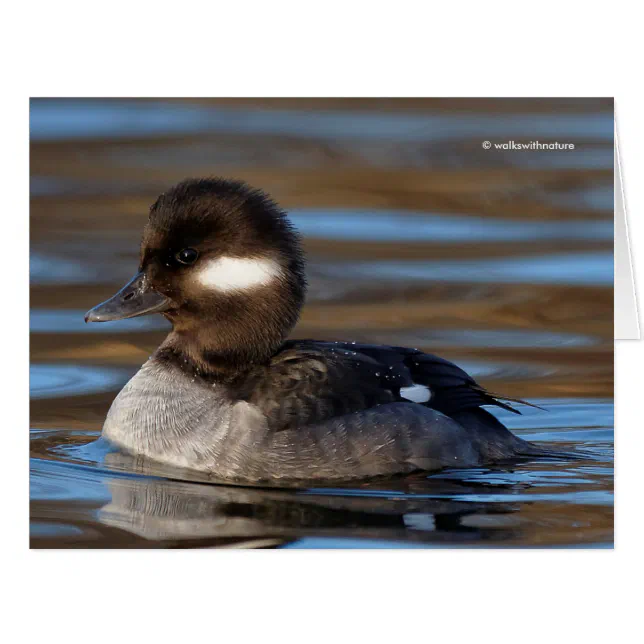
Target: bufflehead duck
x=226, y=392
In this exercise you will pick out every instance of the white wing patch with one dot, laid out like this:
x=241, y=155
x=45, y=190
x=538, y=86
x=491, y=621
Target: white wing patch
x=416, y=393
x=236, y=273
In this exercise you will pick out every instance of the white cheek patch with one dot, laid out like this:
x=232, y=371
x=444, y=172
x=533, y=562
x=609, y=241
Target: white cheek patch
x=235, y=273
x=416, y=393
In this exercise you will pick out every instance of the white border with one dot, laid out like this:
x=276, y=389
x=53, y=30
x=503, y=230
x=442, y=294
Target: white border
x=485, y=49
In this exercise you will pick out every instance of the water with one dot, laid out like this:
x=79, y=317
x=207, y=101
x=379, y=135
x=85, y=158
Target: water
x=498, y=260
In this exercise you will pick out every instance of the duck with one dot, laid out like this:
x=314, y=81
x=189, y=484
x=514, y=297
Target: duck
x=227, y=392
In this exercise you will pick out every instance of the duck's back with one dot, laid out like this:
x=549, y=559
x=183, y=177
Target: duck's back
x=309, y=381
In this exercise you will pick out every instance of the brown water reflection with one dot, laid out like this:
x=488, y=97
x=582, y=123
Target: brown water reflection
x=498, y=259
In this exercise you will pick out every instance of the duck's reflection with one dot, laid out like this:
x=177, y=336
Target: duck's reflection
x=179, y=511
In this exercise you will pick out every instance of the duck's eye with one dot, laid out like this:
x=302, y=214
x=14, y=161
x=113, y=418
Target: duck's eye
x=187, y=256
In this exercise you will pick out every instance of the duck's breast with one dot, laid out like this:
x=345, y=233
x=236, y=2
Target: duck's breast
x=165, y=415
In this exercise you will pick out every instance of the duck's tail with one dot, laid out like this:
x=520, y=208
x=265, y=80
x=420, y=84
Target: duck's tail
x=497, y=443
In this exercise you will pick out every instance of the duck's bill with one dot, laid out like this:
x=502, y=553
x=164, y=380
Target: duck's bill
x=134, y=299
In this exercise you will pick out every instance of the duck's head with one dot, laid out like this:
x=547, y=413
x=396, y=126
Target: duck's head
x=221, y=261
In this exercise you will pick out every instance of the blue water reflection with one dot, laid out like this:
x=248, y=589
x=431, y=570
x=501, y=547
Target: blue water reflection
x=394, y=225
x=573, y=268
x=60, y=380
x=73, y=321
x=76, y=118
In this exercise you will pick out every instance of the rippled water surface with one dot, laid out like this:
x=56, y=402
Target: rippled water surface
x=500, y=260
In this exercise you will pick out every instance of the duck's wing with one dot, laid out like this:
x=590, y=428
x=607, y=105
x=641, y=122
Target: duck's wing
x=309, y=382
x=449, y=388
x=306, y=384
